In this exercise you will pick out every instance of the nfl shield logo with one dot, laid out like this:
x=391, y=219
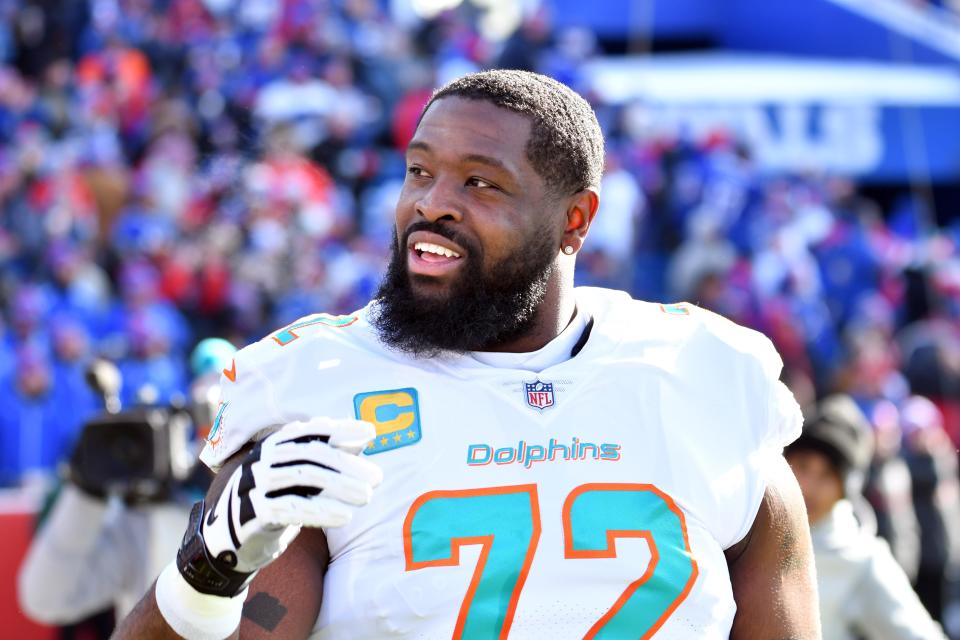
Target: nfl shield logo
x=539, y=394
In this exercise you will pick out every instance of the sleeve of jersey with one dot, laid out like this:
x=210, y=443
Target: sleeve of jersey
x=779, y=423
x=784, y=418
x=249, y=408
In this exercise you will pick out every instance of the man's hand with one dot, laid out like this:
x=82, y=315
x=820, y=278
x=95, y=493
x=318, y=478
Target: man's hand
x=305, y=474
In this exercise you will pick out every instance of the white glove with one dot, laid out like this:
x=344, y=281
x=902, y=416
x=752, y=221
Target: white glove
x=305, y=474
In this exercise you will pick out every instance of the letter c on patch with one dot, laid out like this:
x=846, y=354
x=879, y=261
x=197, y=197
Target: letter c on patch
x=396, y=415
x=389, y=411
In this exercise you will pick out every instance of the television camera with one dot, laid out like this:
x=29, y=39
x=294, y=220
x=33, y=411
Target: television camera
x=141, y=454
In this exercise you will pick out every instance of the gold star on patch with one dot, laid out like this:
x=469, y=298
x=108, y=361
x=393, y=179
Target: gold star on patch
x=411, y=434
x=397, y=438
x=383, y=441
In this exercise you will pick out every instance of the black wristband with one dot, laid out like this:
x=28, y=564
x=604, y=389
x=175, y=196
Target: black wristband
x=205, y=574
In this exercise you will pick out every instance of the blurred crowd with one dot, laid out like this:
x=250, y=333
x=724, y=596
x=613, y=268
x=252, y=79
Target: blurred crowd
x=177, y=169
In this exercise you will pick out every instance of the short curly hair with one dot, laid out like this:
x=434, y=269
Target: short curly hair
x=565, y=145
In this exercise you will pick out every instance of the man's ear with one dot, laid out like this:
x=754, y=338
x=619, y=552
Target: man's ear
x=581, y=210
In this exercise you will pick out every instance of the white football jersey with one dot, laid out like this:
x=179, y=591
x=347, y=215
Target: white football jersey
x=593, y=498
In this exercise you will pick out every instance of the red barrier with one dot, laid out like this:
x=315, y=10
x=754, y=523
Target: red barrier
x=17, y=521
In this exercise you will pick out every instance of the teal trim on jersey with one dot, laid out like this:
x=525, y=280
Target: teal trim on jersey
x=506, y=523
x=396, y=415
x=215, y=429
x=598, y=516
x=286, y=335
x=678, y=309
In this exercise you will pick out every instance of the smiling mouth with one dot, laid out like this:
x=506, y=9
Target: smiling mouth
x=432, y=260
x=434, y=253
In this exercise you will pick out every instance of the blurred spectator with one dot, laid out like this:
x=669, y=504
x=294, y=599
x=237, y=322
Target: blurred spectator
x=151, y=372
x=889, y=489
x=406, y=113
x=870, y=372
x=608, y=258
x=936, y=497
x=930, y=341
x=96, y=552
x=80, y=285
x=71, y=356
x=863, y=591
x=141, y=301
x=525, y=48
x=36, y=430
x=42, y=34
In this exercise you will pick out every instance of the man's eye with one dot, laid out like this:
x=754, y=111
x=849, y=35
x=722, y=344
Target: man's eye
x=416, y=171
x=481, y=183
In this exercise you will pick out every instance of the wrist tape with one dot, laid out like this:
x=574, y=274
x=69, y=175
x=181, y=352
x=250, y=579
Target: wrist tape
x=194, y=615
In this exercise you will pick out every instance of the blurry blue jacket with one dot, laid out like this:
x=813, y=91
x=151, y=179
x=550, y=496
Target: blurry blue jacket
x=35, y=432
x=165, y=373
x=78, y=401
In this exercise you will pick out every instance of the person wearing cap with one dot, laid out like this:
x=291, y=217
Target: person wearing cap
x=863, y=591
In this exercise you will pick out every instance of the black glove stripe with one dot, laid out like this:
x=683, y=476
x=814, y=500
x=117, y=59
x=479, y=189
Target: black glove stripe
x=308, y=438
x=298, y=490
x=312, y=463
x=247, y=484
x=233, y=533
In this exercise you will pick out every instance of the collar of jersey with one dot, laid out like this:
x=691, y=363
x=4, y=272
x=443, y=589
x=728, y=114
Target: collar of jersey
x=553, y=353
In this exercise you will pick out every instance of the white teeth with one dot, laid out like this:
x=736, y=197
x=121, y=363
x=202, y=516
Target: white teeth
x=429, y=247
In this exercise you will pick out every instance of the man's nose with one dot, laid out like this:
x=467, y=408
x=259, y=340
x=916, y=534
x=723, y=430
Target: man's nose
x=440, y=202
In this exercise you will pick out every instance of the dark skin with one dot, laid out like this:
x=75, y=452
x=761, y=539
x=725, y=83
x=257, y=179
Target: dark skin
x=467, y=166
x=771, y=569
x=268, y=612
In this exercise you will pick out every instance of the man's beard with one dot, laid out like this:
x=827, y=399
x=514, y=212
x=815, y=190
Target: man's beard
x=479, y=311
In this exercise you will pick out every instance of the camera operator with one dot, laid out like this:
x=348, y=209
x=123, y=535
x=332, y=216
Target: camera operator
x=125, y=499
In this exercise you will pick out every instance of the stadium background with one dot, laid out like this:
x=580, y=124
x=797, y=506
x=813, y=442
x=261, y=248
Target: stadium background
x=172, y=170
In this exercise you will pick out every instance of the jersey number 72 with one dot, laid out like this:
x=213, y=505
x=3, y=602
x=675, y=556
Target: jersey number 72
x=505, y=521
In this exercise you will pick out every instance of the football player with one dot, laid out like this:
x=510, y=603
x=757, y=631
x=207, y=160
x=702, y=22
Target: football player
x=485, y=451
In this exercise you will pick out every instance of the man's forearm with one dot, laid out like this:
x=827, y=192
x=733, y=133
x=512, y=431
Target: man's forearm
x=145, y=622
x=284, y=598
x=190, y=599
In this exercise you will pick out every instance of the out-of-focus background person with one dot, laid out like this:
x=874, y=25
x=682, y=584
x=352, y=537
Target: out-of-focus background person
x=177, y=170
x=109, y=532
x=889, y=489
x=932, y=461
x=864, y=593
